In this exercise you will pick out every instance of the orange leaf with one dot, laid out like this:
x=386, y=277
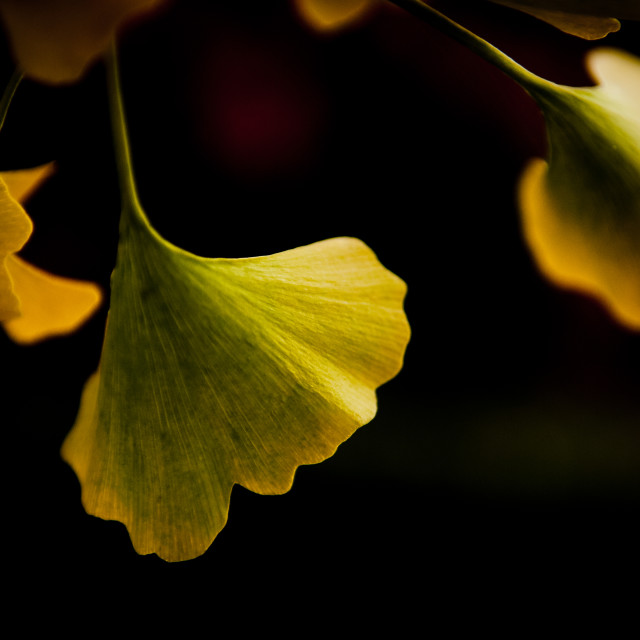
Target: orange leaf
x=34, y=304
x=50, y=305
x=55, y=40
x=328, y=15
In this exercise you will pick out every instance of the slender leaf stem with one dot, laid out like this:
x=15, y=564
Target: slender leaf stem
x=8, y=94
x=132, y=210
x=488, y=52
x=128, y=189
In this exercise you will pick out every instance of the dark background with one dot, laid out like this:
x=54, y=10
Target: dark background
x=502, y=472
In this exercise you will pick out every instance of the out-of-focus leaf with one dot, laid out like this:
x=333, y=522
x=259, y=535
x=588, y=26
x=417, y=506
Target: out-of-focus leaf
x=55, y=40
x=50, y=305
x=624, y=9
x=328, y=15
x=581, y=207
x=34, y=304
x=584, y=26
x=15, y=229
x=223, y=371
x=22, y=183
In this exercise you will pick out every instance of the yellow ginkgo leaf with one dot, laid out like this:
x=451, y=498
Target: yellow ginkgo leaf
x=50, y=305
x=589, y=27
x=34, y=304
x=22, y=183
x=55, y=40
x=328, y=15
x=217, y=372
x=15, y=229
x=625, y=9
x=581, y=207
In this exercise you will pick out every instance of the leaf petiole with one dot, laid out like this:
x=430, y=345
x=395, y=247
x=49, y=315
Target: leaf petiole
x=132, y=210
x=122, y=149
x=7, y=96
x=527, y=80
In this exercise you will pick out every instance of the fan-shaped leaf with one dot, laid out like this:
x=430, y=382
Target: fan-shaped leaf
x=581, y=208
x=218, y=371
x=34, y=304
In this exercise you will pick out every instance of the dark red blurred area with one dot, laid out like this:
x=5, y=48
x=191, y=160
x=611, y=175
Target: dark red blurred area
x=505, y=459
x=256, y=106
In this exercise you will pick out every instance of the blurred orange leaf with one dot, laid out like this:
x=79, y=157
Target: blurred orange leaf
x=34, y=304
x=328, y=15
x=55, y=40
x=16, y=228
x=625, y=9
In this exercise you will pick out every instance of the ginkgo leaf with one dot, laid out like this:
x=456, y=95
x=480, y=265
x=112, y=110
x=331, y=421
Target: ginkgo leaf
x=55, y=40
x=585, y=26
x=50, y=305
x=34, y=304
x=581, y=207
x=217, y=372
x=625, y=9
x=327, y=15
x=22, y=183
x=15, y=229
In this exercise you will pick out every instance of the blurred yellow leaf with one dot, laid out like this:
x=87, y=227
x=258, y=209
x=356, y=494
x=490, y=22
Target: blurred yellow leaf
x=588, y=27
x=581, y=207
x=15, y=229
x=34, y=304
x=22, y=183
x=624, y=9
x=55, y=40
x=50, y=305
x=328, y=15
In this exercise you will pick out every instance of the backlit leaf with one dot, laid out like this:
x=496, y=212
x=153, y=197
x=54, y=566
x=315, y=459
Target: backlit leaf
x=581, y=207
x=585, y=26
x=624, y=9
x=34, y=304
x=15, y=229
x=50, y=305
x=223, y=371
